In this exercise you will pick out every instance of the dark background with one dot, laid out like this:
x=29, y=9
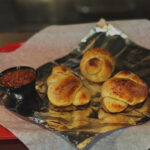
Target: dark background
x=33, y=15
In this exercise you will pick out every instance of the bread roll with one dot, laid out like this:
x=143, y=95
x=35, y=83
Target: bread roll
x=124, y=89
x=64, y=88
x=97, y=65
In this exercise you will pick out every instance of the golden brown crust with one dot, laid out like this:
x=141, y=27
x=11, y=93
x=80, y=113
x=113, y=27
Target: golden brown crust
x=65, y=89
x=113, y=105
x=57, y=72
x=82, y=97
x=62, y=93
x=62, y=69
x=126, y=87
x=97, y=65
x=129, y=75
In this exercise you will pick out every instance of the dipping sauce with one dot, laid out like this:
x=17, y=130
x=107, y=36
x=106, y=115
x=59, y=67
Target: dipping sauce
x=17, y=78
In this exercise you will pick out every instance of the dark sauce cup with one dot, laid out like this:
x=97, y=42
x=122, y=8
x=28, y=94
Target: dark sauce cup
x=20, y=98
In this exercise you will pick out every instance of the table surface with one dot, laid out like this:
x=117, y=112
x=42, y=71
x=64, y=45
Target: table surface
x=6, y=38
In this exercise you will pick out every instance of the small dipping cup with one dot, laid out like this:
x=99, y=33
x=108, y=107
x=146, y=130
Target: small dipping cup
x=19, y=85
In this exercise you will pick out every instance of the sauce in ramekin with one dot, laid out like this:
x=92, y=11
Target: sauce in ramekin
x=17, y=78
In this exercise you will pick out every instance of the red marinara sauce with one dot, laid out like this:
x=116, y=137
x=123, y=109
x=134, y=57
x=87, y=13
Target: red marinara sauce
x=17, y=78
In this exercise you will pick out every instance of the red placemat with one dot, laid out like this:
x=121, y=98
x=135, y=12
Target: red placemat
x=5, y=134
x=11, y=47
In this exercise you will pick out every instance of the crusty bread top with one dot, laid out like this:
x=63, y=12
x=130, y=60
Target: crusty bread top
x=126, y=87
x=63, y=91
x=64, y=88
x=97, y=65
x=97, y=52
x=57, y=73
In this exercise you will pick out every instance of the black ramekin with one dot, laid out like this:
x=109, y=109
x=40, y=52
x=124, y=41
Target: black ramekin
x=20, y=99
